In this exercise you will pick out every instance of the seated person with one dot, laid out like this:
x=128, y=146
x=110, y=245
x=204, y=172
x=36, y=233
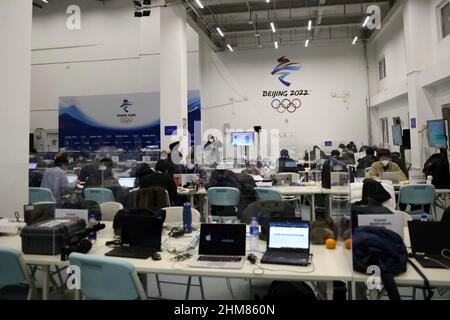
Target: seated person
x=161, y=178
x=282, y=160
x=368, y=160
x=142, y=170
x=385, y=165
x=55, y=179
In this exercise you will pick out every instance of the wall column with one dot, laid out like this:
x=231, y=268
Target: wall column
x=15, y=66
x=173, y=72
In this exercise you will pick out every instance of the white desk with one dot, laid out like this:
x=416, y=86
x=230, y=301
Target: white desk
x=329, y=265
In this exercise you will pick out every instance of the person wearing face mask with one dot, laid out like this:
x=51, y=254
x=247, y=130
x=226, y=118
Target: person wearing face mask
x=212, y=152
x=385, y=165
x=55, y=179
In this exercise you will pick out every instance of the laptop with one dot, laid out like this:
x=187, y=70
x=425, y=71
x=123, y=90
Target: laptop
x=72, y=178
x=428, y=240
x=32, y=165
x=287, y=242
x=395, y=177
x=127, y=182
x=141, y=238
x=221, y=246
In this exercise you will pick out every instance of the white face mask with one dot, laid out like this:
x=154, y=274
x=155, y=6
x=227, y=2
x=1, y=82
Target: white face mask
x=385, y=163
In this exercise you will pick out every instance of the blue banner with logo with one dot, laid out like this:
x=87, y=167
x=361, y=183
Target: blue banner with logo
x=126, y=121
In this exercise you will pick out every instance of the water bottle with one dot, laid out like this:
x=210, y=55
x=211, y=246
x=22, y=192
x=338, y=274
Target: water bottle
x=254, y=235
x=187, y=217
x=92, y=222
x=429, y=179
x=424, y=217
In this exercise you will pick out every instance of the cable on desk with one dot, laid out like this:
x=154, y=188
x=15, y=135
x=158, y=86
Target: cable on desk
x=259, y=270
x=182, y=253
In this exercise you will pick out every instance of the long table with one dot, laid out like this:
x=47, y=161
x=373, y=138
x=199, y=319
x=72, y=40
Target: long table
x=307, y=191
x=327, y=266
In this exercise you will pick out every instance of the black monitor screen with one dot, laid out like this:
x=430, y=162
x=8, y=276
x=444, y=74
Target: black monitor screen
x=222, y=239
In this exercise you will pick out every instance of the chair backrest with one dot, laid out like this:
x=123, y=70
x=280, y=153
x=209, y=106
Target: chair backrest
x=175, y=215
x=99, y=195
x=105, y=278
x=263, y=193
x=109, y=210
x=151, y=197
x=417, y=194
x=223, y=196
x=40, y=195
x=13, y=270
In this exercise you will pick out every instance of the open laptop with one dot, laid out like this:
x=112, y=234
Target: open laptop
x=127, y=182
x=428, y=240
x=287, y=242
x=221, y=246
x=395, y=177
x=32, y=165
x=140, y=237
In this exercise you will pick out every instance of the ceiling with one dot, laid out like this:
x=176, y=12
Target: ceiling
x=246, y=23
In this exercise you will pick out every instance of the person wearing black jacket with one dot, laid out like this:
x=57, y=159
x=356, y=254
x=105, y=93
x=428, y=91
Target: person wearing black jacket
x=160, y=178
x=368, y=160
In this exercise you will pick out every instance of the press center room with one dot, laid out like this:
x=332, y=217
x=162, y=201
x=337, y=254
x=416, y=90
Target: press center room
x=265, y=150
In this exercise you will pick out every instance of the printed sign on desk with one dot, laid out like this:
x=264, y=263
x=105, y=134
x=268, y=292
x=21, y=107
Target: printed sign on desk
x=393, y=222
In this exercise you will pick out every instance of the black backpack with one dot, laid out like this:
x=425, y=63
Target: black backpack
x=383, y=248
x=285, y=290
x=437, y=166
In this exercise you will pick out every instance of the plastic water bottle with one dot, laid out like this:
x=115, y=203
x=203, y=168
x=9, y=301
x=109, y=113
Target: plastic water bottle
x=187, y=217
x=92, y=222
x=429, y=179
x=254, y=235
x=424, y=217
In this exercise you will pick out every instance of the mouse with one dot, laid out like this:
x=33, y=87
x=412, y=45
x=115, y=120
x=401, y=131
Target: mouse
x=156, y=256
x=252, y=258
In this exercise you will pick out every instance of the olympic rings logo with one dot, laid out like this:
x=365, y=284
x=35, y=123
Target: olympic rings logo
x=126, y=120
x=286, y=105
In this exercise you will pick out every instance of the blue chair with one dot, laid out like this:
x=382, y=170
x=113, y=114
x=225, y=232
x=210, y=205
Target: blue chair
x=13, y=275
x=417, y=194
x=264, y=193
x=104, y=278
x=224, y=197
x=99, y=195
x=40, y=195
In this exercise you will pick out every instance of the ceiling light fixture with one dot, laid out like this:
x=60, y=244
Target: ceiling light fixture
x=366, y=21
x=276, y=44
x=272, y=25
x=230, y=47
x=355, y=39
x=307, y=42
x=220, y=32
x=309, y=25
x=199, y=3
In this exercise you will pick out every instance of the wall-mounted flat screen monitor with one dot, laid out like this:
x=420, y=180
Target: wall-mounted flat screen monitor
x=397, y=135
x=242, y=138
x=437, y=136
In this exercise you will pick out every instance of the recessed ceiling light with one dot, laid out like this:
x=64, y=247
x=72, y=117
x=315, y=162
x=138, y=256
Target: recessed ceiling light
x=272, y=25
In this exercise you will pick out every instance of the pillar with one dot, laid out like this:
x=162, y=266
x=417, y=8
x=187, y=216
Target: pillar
x=15, y=66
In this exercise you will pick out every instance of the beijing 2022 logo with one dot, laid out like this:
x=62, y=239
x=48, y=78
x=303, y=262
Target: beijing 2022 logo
x=127, y=117
x=286, y=100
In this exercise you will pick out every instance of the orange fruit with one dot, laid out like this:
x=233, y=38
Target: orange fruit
x=348, y=243
x=330, y=243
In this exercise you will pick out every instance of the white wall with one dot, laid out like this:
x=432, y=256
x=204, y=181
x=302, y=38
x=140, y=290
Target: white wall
x=15, y=92
x=114, y=52
x=245, y=74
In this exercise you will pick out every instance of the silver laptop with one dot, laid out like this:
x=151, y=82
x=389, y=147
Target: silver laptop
x=126, y=182
x=221, y=246
x=395, y=177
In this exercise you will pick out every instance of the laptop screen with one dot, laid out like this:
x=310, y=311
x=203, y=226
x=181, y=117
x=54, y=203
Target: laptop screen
x=72, y=178
x=32, y=165
x=127, y=182
x=288, y=235
x=222, y=239
x=429, y=237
